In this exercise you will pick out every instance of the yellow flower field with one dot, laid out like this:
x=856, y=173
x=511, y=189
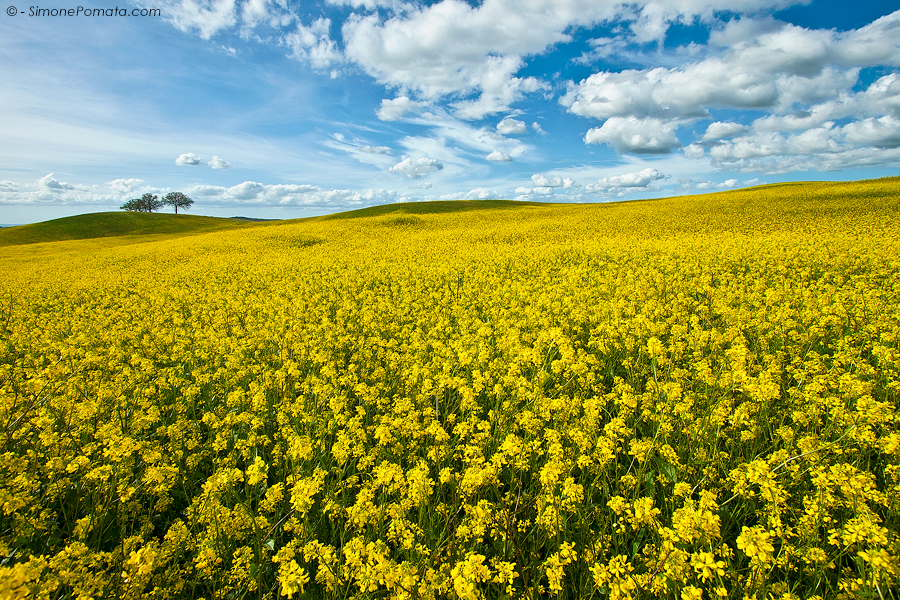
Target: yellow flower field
x=687, y=398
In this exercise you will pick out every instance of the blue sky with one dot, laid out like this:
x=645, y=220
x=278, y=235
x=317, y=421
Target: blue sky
x=279, y=109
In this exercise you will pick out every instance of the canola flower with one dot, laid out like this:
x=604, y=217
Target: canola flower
x=685, y=398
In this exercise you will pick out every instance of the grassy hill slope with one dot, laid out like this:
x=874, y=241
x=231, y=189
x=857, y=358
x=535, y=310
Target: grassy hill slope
x=431, y=208
x=113, y=224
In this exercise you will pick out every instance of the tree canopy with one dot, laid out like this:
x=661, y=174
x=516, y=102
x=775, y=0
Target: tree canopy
x=146, y=203
x=150, y=202
x=177, y=200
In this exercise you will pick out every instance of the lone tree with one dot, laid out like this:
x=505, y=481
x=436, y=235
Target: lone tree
x=146, y=203
x=177, y=200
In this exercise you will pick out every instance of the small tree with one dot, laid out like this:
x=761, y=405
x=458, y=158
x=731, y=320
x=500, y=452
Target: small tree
x=176, y=200
x=133, y=205
x=150, y=202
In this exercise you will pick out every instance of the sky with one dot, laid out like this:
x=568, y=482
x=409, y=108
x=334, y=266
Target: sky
x=282, y=109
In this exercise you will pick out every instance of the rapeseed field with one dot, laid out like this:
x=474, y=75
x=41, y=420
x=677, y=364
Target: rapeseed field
x=690, y=398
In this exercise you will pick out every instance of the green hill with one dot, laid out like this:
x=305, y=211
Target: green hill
x=429, y=208
x=114, y=224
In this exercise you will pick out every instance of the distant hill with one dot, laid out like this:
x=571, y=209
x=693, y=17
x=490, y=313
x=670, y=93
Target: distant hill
x=430, y=208
x=113, y=224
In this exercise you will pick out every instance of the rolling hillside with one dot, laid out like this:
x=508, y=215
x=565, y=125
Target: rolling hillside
x=114, y=224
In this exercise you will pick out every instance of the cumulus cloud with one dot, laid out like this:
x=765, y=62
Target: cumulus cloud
x=536, y=127
x=637, y=136
x=188, y=159
x=693, y=150
x=394, y=110
x=719, y=130
x=451, y=48
x=534, y=191
x=247, y=190
x=126, y=186
x=8, y=186
x=47, y=182
x=883, y=132
x=630, y=181
x=510, y=126
x=218, y=163
x=498, y=156
x=313, y=44
x=541, y=180
x=825, y=139
x=415, y=168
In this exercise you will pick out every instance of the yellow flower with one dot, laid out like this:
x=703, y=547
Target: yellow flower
x=292, y=577
x=756, y=545
x=691, y=593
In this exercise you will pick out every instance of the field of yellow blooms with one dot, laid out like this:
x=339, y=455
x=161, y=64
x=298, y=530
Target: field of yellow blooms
x=687, y=398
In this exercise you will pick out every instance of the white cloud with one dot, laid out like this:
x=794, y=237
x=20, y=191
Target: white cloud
x=456, y=142
x=415, y=168
x=535, y=191
x=188, y=159
x=313, y=44
x=251, y=193
x=540, y=180
x=510, y=126
x=498, y=156
x=853, y=158
x=693, y=150
x=394, y=110
x=207, y=17
x=376, y=149
x=689, y=184
x=633, y=135
x=47, y=182
x=880, y=133
x=208, y=190
x=126, y=186
x=246, y=191
x=481, y=193
x=380, y=157
x=819, y=140
x=218, y=163
x=719, y=130
x=368, y=4
x=452, y=48
x=8, y=186
x=425, y=185
x=536, y=127
x=639, y=179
